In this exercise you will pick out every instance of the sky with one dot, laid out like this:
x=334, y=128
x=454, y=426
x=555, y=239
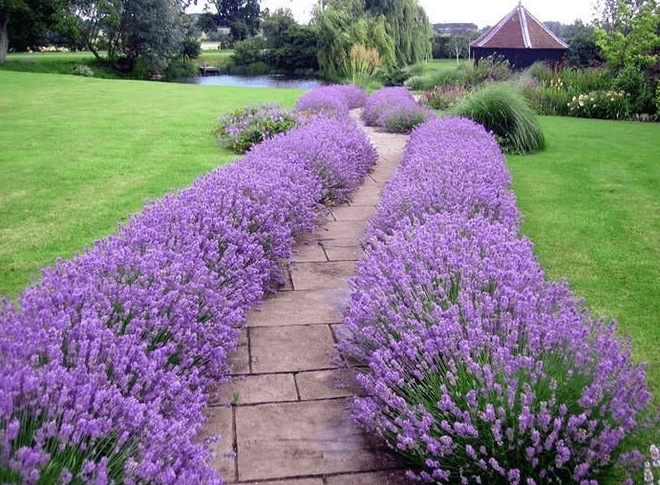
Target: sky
x=481, y=12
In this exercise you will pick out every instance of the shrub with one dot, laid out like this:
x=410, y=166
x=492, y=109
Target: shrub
x=440, y=173
x=336, y=99
x=442, y=97
x=382, y=100
x=82, y=70
x=403, y=120
x=486, y=70
x=611, y=105
x=504, y=112
x=239, y=130
x=250, y=51
x=633, y=81
x=479, y=370
x=106, y=362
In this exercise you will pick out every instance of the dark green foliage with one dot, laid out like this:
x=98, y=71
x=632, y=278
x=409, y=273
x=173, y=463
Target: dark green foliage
x=243, y=17
x=249, y=51
x=297, y=51
x=409, y=26
x=504, y=112
x=634, y=82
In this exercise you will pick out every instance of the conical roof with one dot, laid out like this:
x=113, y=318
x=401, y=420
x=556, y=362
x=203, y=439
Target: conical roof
x=519, y=30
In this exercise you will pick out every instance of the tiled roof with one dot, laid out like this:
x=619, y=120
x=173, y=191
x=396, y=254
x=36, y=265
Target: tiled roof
x=519, y=30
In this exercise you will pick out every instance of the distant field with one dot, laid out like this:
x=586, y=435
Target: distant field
x=213, y=57
x=435, y=65
x=80, y=154
x=54, y=63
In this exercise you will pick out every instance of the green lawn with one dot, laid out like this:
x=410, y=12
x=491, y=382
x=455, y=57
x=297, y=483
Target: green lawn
x=213, y=57
x=592, y=207
x=80, y=154
x=437, y=65
x=55, y=63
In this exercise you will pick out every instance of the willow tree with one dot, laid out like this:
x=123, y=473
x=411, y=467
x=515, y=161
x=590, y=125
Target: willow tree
x=343, y=28
x=409, y=27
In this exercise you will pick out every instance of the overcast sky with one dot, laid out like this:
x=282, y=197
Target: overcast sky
x=480, y=12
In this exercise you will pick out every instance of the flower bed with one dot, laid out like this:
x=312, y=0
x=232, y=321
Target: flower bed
x=479, y=370
x=395, y=109
x=104, y=364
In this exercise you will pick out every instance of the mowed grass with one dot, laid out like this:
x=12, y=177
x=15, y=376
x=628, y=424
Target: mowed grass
x=591, y=204
x=80, y=155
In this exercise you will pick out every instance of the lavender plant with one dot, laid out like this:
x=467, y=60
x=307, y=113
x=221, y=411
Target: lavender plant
x=239, y=130
x=480, y=370
x=395, y=109
x=333, y=100
x=104, y=364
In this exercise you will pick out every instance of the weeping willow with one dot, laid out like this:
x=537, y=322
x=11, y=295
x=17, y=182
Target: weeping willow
x=398, y=30
x=409, y=27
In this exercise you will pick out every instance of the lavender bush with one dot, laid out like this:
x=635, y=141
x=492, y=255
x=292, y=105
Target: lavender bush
x=480, y=370
x=239, y=130
x=395, y=109
x=336, y=99
x=105, y=363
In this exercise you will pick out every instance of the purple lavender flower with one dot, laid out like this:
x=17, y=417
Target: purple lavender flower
x=105, y=363
x=465, y=339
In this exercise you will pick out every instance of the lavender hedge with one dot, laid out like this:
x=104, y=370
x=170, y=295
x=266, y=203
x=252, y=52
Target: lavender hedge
x=394, y=108
x=336, y=99
x=479, y=370
x=105, y=364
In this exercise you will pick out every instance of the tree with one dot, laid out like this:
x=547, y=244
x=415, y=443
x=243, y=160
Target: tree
x=243, y=17
x=635, y=40
x=151, y=30
x=409, y=27
x=25, y=20
x=276, y=25
x=582, y=48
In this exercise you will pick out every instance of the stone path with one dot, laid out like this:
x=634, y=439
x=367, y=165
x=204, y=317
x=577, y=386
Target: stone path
x=289, y=423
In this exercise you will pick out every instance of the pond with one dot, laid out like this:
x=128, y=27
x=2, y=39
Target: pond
x=266, y=81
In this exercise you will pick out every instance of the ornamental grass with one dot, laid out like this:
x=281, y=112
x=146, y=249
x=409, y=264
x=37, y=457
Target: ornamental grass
x=504, y=112
x=105, y=363
x=479, y=369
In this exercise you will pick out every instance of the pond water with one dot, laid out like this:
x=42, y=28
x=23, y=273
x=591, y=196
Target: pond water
x=267, y=81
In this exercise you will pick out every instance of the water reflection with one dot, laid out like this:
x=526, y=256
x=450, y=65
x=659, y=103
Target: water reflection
x=268, y=81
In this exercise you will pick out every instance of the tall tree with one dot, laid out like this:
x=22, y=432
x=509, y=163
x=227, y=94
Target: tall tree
x=409, y=26
x=243, y=17
x=152, y=30
x=27, y=19
x=635, y=40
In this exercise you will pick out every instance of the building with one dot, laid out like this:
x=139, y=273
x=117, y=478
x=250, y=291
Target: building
x=521, y=39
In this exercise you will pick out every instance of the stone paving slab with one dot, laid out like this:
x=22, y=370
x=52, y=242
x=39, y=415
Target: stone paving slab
x=291, y=348
x=292, y=481
x=314, y=276
x=239, y=359
x=327, y=384
x=308, y=253
x=394, y=477
x=371, y=197
x=298, y=308
x=220, y=421
x=262, y=388
x=346, y=253
x=351, y=229
x=354, y=212
x=304, y=438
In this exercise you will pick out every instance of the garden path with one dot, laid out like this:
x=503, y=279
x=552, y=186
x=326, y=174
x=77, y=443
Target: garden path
x=289, y=421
